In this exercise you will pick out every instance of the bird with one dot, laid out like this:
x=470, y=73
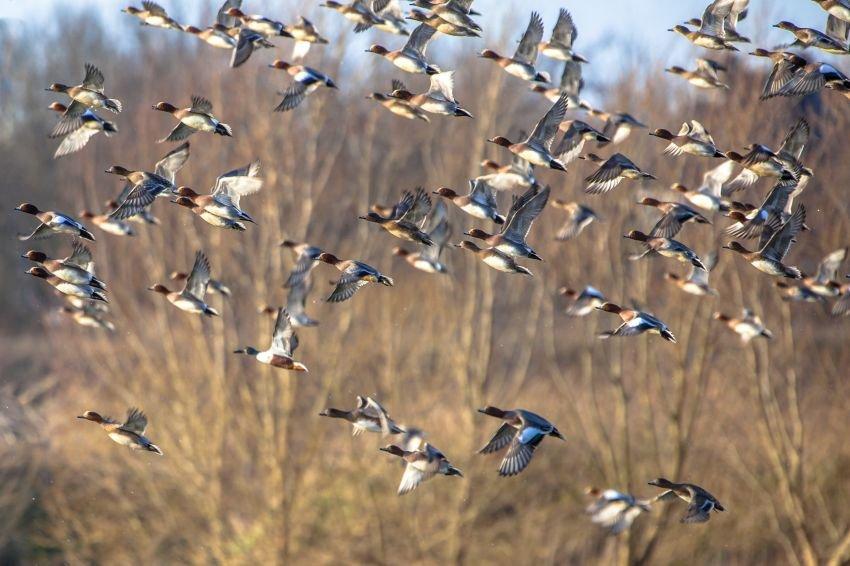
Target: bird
x=305, y=81
x=305, y=34
x=584, y=302
x=760, y=161
x=521, y=433
x=246, y=42
x=355, y=274
x=88, y=316
x=560, y=46
x=479, y=203
x=611, y=172
x=267, y=27
x=615, y=511
x=536, y=149
x=130, y=433
x=73, y=269
x=495, y=259
x=768, y=216
x=823, y=283
x=708, y=195
x=421, y=465
x=705, y=76
x=521, y=65
x=618, y=126
x=711, y=33
x=700, y=502
x=153, y=15
x=222, y=206
x=407, y=217
x=284, y=343
x=441, y=25
x=809, y=37
x=391, y=15
x=88, y=94
x=455, y=12
x=692, y=139
x=197, y=118
x=785, y=66
x=78, y=130
x=518, y=174
x=576, y=133
x=579, y=217
x=839, y=9
x=296, y=300
x=306, y=258
x=191, y=298
x=81, y=290
x=411, y=57
x=675, y=216
x=696, y=282
x=438, y=100
x=52, y=223
x=524, y=210
x=427, y=259
x=812, y=77
x=399, y=106
x=635, y=322
x=748, y=326
x=769, y=258
x=666, y=247
x=359, y=12
x=368, y=416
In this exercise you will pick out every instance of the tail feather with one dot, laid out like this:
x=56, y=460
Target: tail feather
x=114, y=105
x=223, y=129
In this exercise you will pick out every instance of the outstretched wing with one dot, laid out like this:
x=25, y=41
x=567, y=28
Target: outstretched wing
x=196, y=283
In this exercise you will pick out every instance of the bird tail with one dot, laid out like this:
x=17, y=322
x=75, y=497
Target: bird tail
x=155, y=449
x=667, y=335
x=209, y=311
x=223, y=129
x=113, y=104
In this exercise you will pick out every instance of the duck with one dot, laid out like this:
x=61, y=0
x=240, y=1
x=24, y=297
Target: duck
x=73, y=269
x=80, y=290
x=711, y=33
x=769, y=258
x=579, y=217
x=560, y=45
x=808, y=37
x=700, y=39
x=675, y=216
x=583, y=302
x=799, y=293
x=785, y=66
x=536, y=148
x=521, y=65
x=840, y=9
x=411, y=57
x=224, y=200
x=391, y=15
x=516, y=175
x=296, y=301
x=130, y=433
x=749, y=326
x=355, y=274
x=214, y=286
x=696, y=282
x=368, y=416
x=705, y=76
x=207, y=216
x=78, y=130
x=438, y=100
x=571, y=85
x=427, y=259
x=421, y=465
x=407, y=217
x=611, y=172
x=692, y=139
x=523, y=212
x=443, y=26
x=283, y=346
x=823, y=282
x=666, y=247
x=305, y=34
x=247, y=41
x=306, y=80
x=479, y=203
x=576, y=133
x=399, y=106
x=108, y=224
x=769, y=216
x=197, y=118
x=217, y=35
x=460, y=6
x=521, y=433
x=708, y=195
x=268, y=27
x=306, y=258
x=722, y=19
x=635, y=322
x=492, y=257
x=615, y=511
x=812, y=77
x=456, y=12
x=358, y=12
x=760, y=161
x=191, y=298
x=88, y=317
x=88, y=94
x=153, y=15
x=52, y=223
x=700, y=502
x=618, y=126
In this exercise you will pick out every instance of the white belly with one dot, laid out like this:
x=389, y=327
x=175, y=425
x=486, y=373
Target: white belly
x=408, y=65
x=197, y=122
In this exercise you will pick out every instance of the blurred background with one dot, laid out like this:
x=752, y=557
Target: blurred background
x=251, y=474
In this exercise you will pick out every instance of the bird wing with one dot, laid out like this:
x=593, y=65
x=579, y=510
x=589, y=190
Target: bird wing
x=804, y=82
x=239, y=182
x=503, y=436
x=172, y=162
x=196, y=283
x=222, y=17
x=292, y=97
x=138, y=199
x=66, y=125
x=80, y=256
x=419, y=38
x=244, y=47
x=520, y=451
x=545, y=130
x=828, y=267
x=346, y=287
x=93, y=79
x=136, y=421
x=713, y=179
x=795, y=141
x=201, y=104
x=300, y=50
x=571, y=82
x=836, y=28
x=180, y=132
x=779, y=244
x=413, y=476
x=667, y=227
x=781, y=75
x=442, y=86
x=75, y=141
x=565, y=32
x=302, y=268
x=528, y=208
x=714, y=16
x=526, y=52
x=421, y=206
x=284, y=340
